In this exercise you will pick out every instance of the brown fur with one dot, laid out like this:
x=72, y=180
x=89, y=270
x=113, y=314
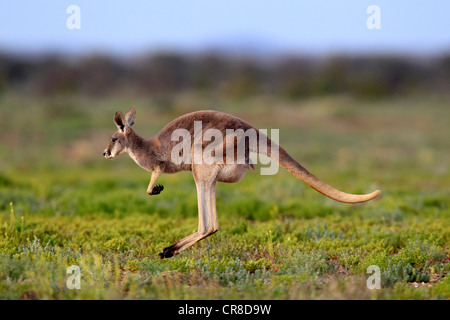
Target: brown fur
x=154, y=155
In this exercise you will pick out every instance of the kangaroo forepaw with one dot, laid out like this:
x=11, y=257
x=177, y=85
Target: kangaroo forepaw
x=168, y=252
x=157, y=189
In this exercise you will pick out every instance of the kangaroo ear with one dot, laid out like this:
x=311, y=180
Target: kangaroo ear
x=130, y=117
x=119, y=119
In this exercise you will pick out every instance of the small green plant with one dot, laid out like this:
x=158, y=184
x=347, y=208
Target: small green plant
x=320, y=232
x=400, y=272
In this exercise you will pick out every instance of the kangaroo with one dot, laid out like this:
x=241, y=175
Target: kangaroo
x=155, y=155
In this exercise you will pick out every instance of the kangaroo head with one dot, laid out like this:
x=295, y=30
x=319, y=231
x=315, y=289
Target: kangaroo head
x=119, y=140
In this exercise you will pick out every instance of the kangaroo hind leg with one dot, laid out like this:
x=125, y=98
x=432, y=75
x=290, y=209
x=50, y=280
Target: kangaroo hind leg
x=207, y=223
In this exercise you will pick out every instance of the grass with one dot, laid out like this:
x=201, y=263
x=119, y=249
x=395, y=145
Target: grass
x=61, y=204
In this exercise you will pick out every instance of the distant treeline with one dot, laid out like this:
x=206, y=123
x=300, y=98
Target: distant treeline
x=167, y=73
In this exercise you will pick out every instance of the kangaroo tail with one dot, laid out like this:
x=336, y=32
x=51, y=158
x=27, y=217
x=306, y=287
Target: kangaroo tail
x=286, y=161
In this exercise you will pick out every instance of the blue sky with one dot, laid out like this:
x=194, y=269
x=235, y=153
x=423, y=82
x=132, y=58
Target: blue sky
x=131, y=27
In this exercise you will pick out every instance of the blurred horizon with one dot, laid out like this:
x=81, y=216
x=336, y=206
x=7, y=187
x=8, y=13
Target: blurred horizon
x=263, y=29
x=292, y=50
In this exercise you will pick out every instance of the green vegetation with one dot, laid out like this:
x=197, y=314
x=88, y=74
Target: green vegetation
x=62, y=204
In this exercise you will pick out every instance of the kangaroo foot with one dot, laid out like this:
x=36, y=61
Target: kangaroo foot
x=157, y=189
x=168, y=252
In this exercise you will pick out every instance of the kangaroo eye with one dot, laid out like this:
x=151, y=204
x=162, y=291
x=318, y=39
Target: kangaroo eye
x=114, y=140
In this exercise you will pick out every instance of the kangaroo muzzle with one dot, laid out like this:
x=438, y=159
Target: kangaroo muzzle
x=107, y=154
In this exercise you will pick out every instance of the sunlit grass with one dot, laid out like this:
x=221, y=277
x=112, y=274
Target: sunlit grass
x=62, y=204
